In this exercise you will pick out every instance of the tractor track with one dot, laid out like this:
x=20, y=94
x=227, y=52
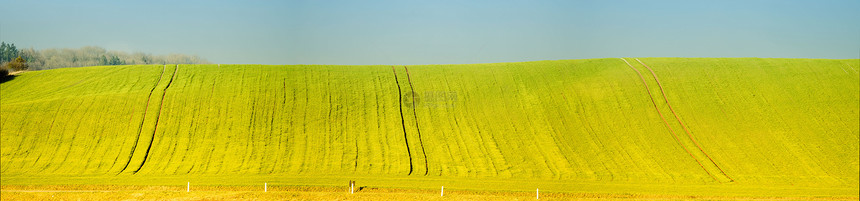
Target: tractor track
x=654, y=103
x=157, y=116
x=852, y=68
x=414, y=114
x=402, y=120
x=142, y=120
x=686, y=130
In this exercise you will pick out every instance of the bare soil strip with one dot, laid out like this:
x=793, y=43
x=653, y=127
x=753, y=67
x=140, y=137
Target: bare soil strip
x=686, y=130
x=157, y=116
x=677, y=139
x=414, y=114
x=142, y=120
x=402, y=121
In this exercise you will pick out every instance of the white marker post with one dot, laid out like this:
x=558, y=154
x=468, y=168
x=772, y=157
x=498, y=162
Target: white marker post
x=265, y=187
x=188, y=188
x=537, y=194
x=443, y=192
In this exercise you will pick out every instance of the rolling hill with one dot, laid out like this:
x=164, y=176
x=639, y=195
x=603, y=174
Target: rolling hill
x=687, y=126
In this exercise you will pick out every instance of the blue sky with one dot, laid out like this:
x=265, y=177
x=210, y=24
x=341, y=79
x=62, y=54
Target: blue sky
x=439, y=32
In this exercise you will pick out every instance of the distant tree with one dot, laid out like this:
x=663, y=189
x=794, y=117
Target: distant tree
x=3, y=48
x=103, y=60
x=88, y=56
x=32, y=57
x=8, y=51
x=145, y=59
x=114, y=60
x=18, y=64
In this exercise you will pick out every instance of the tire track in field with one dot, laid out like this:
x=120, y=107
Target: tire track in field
x=157, y=116
x=122, y=142
x=686, y=130
x=402, y=120
x=654, y=103
x=142, y=120
x=843, y=70
x=420, y=141
x=852, y=68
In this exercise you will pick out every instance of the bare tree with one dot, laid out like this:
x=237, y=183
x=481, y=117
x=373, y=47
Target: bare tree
x=94, y=56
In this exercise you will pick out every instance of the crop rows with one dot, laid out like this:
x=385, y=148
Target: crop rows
x=72, y=122
x=751, y=121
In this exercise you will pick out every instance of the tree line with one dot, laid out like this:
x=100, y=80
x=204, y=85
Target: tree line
x=11, y=58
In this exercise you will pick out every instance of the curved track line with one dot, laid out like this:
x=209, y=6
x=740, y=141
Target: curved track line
x=157, y=116
x=682, y=123
x=667, y=122
x=852, y=68
x=414, y=114
x=402, y=121
x=142, y=120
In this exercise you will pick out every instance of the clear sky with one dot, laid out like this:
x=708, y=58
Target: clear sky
x=439, y=32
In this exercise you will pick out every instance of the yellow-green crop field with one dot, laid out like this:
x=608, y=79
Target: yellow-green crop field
x=646, y=128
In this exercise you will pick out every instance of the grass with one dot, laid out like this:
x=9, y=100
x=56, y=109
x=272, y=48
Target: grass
x=741, y=127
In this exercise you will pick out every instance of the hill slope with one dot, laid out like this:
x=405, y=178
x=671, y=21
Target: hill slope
x=674, y=121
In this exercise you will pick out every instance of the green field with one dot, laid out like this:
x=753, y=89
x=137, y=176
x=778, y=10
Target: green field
x=725, y=127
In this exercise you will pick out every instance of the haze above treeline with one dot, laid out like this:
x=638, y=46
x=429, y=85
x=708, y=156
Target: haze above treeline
x=52, y=58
